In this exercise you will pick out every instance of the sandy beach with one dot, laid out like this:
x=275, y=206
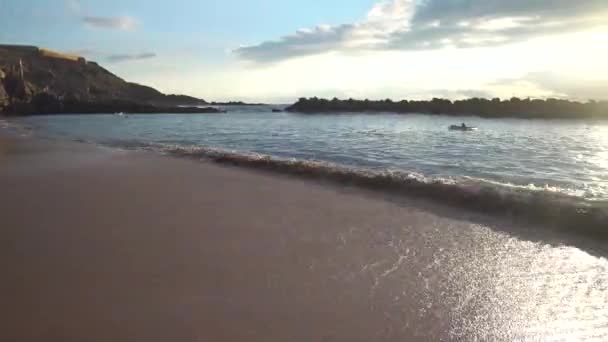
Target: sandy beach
x=109, y=245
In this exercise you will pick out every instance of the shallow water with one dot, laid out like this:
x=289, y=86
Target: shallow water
x=554, y=155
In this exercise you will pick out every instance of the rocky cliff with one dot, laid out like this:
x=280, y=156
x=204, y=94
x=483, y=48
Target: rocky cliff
x=39, y=81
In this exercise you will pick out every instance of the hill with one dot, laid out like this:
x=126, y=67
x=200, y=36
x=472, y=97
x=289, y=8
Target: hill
x=514, y=107
x=38, y=81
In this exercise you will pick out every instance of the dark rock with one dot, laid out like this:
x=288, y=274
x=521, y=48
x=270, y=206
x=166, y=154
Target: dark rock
x=38, y=81
x=236, y=103
x=184, y=100
x=46, y=104
x=549, y=108
x=3, y=95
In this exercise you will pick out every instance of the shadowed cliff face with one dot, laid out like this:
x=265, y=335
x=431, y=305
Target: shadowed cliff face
x=3, y=96
x=32, y=77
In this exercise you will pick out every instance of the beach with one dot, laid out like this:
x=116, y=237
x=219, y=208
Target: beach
x=102, y=244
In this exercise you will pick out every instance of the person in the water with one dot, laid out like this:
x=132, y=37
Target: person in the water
x=463, y=125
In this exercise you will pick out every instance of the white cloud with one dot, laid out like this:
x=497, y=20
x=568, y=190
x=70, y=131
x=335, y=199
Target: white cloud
x=500, y=24
x=390, y=15
x=453, y=11
x=76, y=8
x=130, y=57
x=119, y=23
x=556, y=84
x=432, y=24
x=382, y=20
x=95, y=54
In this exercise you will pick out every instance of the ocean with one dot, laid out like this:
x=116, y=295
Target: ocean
x=557, y=167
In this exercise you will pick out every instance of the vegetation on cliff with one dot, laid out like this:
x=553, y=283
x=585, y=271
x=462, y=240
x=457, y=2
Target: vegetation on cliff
x=514, y=107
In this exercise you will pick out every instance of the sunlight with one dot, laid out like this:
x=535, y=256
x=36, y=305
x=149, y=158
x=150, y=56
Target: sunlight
x=598, y=140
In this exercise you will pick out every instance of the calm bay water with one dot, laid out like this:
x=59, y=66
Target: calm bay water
x=552, y=155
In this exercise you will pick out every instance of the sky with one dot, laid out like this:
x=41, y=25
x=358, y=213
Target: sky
x=278, y=50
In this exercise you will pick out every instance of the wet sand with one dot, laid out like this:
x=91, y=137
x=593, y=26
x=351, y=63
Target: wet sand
x=106, y=245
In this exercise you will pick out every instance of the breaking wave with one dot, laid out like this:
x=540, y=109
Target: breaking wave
x=15, y=128
x=545, y=205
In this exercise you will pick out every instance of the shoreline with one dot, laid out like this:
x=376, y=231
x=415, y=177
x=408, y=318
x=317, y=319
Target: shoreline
x=104, y=244
x=107, y=108
x=550, y=210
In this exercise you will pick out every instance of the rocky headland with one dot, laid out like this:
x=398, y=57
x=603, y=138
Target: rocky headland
x=40, y=81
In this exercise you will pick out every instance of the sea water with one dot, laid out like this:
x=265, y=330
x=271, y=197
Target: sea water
x=566, y=156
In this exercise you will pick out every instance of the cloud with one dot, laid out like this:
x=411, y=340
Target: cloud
x=119, y=23
x=303, y=43
x=383, y=18
x=126, y=57
x=76, y=9
x=432, y=24
x=110, y=57
x=552, y=84
x=454, y=11
x=478, y=23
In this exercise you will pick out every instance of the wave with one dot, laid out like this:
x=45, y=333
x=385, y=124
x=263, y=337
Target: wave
x=533, y=187
x=15, y=128
x=545, y=205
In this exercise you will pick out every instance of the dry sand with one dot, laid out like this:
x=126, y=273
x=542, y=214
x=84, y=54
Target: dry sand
x=106, y=245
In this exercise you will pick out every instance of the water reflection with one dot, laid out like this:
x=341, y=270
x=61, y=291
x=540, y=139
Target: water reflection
x=447, y=279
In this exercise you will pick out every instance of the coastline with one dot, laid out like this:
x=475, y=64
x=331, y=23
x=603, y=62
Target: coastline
x=552, y=210
x=484, y=108
x=104, y=244
x=38, y=81
x=83, y=108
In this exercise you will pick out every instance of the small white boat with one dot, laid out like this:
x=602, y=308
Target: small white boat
x=462, y=128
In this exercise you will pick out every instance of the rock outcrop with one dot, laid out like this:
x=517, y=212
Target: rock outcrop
x=3, y=95
x=40, y=81
x=495, y=108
